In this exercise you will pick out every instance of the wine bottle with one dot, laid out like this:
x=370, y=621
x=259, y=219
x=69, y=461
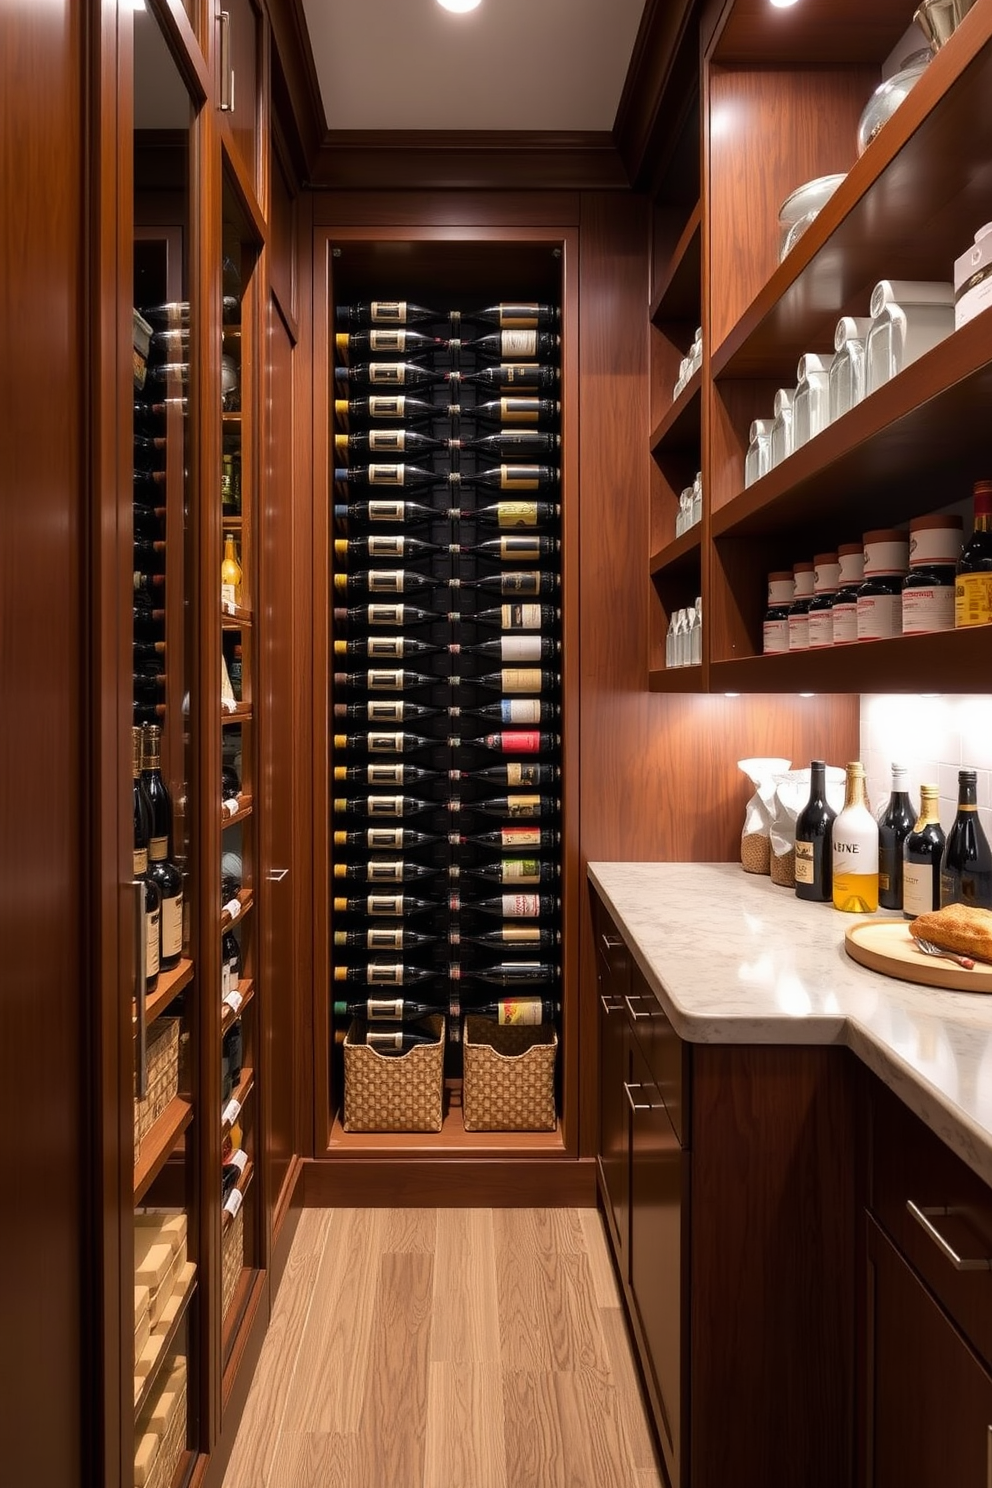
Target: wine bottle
x=521, y=316
x=394, y=442
x=518, y=712
x=383, y=581
x=230, y=963
x=894, y=827
x=151, y=898
x=384, y=679
x=160, y=866
x=384, y=870
x=400, y=513
x=512, y=345
x=517, y=1011
x=515, y=872
x=145, y=686
x=510, y=973
x=922, y=854
x=512, y=906
x=392, y=473
x=392, y=906
x=381, y=741
x=387, y=614
x=513, y=648
x=146, y=621
x=530, y=582
x=383, y=710
x=966, y=866
x=522, y=741
x=231, y=574
x=387, y=839
x=854, y=849
x=148, y=451
x=386, y=406
x=148, y=651
x=386, y=1041
x=511, y=445
x=383, y=938
x=973, y=577
x=149, y=555
x=148, y=583
x=401, y=805
x=520, y=679
x=386, y=648
x=391, y=375
x=147, y=522
x=149, y=488
x=527, y=806
x=516, y=773
x=518, y=548
x=382, y=774
x=510, y=514
x=387, y=341
x=515, y=839
x=386, y=974
x=532, y=936
x=385, y=313
x=506, y=376
x=537, y=413
x=387, y=1009
x=814, y=862
x=519, y=616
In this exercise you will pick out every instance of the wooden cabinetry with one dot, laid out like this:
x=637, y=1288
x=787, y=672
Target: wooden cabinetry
x=780, y=105
x=613, y=1155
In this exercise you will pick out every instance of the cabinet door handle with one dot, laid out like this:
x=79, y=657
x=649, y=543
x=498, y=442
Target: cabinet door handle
x=610, y=1007
x=610, y=942
x=140, y=989
x=636, y=1105
x=226, y=70
x=635, y=1015
x=923, y=1217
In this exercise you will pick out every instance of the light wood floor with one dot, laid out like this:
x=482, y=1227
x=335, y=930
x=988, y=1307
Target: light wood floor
x=446, y=1348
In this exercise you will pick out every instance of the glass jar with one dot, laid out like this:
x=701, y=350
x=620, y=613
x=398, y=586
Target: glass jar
x=802, y=574
x=826, y=577
x=782, y=429
x=880, y=596
x=810, y=409
x=775, y=631
x=759, y=451
x=928, y=588
x=844, y=610
x=847, y=369
x=909, y=317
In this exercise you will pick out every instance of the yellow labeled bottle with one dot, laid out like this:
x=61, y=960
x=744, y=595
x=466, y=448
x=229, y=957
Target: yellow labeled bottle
x=230, y=574
x=854, y=849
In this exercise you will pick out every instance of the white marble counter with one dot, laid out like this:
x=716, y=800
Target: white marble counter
x=734, y=959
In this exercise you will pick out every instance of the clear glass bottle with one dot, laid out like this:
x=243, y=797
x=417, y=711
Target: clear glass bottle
x=811, y=405
x=775, y=630
x=928, y=588
x=759, y=451
x=847, y=369
x=782, y=429
x=880, y=596
x=854, y=852
x=826, y=577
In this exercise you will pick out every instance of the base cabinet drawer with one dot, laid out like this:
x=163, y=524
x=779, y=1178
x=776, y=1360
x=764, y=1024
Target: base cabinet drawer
x=930, y=1398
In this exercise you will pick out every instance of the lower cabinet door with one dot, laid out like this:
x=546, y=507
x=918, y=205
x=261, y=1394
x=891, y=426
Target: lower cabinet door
x=614, y=1115
x=930, y=1400
x=656, y=1188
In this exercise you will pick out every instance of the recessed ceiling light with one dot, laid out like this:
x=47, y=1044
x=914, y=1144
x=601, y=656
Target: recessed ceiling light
x=459, y=6
x=782, y=4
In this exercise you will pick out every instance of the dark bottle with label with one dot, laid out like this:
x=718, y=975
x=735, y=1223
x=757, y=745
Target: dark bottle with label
x=814, y=876
x=388, y=806
x=387, y=839
x=966, y=867
x=391, y=442
x=522, y=741
x=514, y=808
x=523, y=315
x=516, y=873
x=520, y=679
x=973, y=578
x=532, y=583
x=151, y=898
x=385, y=648
x=384, y=870
x=161, y=869
x=520, y=1011
x=515, y=839
x=387, y=1009
x=387, y=341
x=513, y=345
x=385, y=679
x=400, y=615
x=511, y=444
x=894, y=827
x=388, y=1040
x=386, y=974
x=922, y=854
x=386, y=906
x=511, y=974
x=512, y=906
x=518, y=547
x=394, y=474
x=507, y=376
x=513, y=648
x=514, y=478
x=514, y=412
x=533, y=937
x=515, y=712
x=386, y=375
x=516, y=617
x=516, y=773
x=387, y=407
x=383, y=938
x=383, y=710
x=383, y=581
x=383, y=773
x=385, y=313
x=380, y=741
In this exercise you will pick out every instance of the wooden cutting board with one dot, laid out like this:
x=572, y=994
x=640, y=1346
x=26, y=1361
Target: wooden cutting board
x=888, y=947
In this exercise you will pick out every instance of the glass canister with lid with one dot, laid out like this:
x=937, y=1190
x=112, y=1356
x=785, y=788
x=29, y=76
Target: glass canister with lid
x=844, y=610
x=908, y=317
x=782, y=432
x=759, y=451
x=886, y=552
x=775, y=631
x=826, y=578
x=928, y=588
x=847, y=369
x=810, y=407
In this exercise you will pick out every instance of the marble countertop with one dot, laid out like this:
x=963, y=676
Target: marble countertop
x=735, y=959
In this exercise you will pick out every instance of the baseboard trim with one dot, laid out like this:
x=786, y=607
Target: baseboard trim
x=490, y=1183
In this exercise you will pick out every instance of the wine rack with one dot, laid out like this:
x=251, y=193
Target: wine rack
x=446, y=689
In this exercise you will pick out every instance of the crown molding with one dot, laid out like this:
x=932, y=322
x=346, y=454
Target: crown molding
x=407, y=159
x=661, y=83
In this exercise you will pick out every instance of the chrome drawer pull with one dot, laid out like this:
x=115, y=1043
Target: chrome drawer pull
x=635, y=1016
x=611, y=1007
x=636, y=1105
x=923, y=1216
x=611, y=942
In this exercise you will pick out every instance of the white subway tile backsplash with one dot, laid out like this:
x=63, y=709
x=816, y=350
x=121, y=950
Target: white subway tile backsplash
x=935, y=737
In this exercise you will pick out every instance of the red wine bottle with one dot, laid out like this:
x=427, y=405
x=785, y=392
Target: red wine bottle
x=512, y=445
x=384, y=871
x=516, y=617
x=966, y=867
x=894, y=827
x=383, y=938
x=534, y=412
x=384, y=741
x=511, y=974
x=387, y=1009
x=389, y=1041
x=516, y=773
x=507, y=376
x=520, y=679
x=388, y=906
x=516, y=581
x=385, y=648
x=387, y=839
x=384, y=679
x=395, y=442
x=385, y=313
x=386, y=974
x=517, y=712
x=382, y=806
x=513, y=649
x=392, y=473
x=383, y=710
x=386, y=375
x=973, y=580
x=387, y=614
x=515, y=839
x=515, y=873
x=511, y=906
x=383, y=581
x=523, y=315
x=520, y=1011
x=387, y=406
x=922, y=854
x=383, y=775
x=527, y=807
x=512, y=345
x=386, y=341
x=151, y=898
x=534, y=937
x=814, y=863
x=161, y=868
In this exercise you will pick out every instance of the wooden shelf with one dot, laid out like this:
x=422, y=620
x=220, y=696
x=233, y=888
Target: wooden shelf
x=676, y=679
x=168, y=986
x=680, y=426
x=227, y=919
x=898, y=213
x=914, y=445
x=228, y=1014
x=235, y=617
x=818, y=34
x=907, y=664
x=231, y=523
x=451, y=1141
x=160, y=1143
x=228, y=818
x=680, y=557
x=231, y=424
x=178, y=1307
x=240, y=714
x=679, y=295
x=240, y=1093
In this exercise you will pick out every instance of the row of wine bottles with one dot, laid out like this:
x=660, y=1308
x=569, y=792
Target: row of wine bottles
x=153, y=864
x=149, y=456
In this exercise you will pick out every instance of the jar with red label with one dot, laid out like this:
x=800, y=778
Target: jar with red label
x=799, y=609
x=880, y=596
x=775, y=632
x=826, y=578
x=844, y=610
x=928, y=588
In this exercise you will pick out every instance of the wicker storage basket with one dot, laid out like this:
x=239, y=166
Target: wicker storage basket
x=160, y=1437
x=509, y=1077
x=163, y=1077
x=232, y=1260
x=394, y=1092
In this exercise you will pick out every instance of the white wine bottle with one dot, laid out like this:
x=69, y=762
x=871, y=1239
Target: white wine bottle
x=854, y=843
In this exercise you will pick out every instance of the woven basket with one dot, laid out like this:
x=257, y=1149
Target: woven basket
x=163, y=1450
x=163, y=1077
x=233, y=1259
x=509, y=1077
x=395, y=1092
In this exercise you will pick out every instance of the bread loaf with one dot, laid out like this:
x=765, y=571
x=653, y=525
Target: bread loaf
x=957, y=927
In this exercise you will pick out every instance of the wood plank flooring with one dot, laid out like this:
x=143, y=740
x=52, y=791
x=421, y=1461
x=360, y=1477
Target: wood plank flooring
x=446, y=1348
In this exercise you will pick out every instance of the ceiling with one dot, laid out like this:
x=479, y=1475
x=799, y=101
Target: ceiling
x=555, y=65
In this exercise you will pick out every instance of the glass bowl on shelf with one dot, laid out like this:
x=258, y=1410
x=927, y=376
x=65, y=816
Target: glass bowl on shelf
x=889, y=95
x=801, y=207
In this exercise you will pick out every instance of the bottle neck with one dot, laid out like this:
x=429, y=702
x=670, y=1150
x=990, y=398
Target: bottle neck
x=854, y=791
x=968, y=795
x=929, y=809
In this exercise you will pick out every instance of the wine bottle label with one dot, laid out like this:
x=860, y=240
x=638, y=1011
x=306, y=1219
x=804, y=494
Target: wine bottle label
x=520, y=583
x=394, y=341
x=383, y=904
x=518, y=478
x=380, y=774
x=153, y=941
x=521, y=906
x=929, y=609
x=918, y=881
x=799, y=632
x=388, y=312
x=519, y=1011
x=232, y=909
x=386, y=580
x=518, y=343
x=523, y=741
x=523, y=316
x=230, y=1113
x=381, y=679
x=385, y=870
x=519, y=935
x=385, y=1009
x=821, y=629
x=385, y=805
x=380, y=1038
x=775, y=636
x=383, y=940
x=520, y=616
x=804, y=863
x=139, y=862
x=158, y=849
x=227, y=592
x=519, y=549
x=517, y=837
x=518, y=773
x=232, y=997
x=233, y=1202
x=384, y=710
x=387, y=373
x=380, y=838
x=520, y=648
x=387, y=441
x=380, y=407
x=523, y=806
x=845, y=618
x=520, y=870
x=879, y=616
x=521, y=679
x=384, y=973
x=238, y=1160
x=385, y=648
x=172, y=926
x=972, y=599
x=519, y=410
x=384, y=743
x=512, y=374
x=520, y=710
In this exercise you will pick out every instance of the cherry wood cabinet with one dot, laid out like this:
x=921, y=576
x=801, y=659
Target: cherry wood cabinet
x=615, y=1053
